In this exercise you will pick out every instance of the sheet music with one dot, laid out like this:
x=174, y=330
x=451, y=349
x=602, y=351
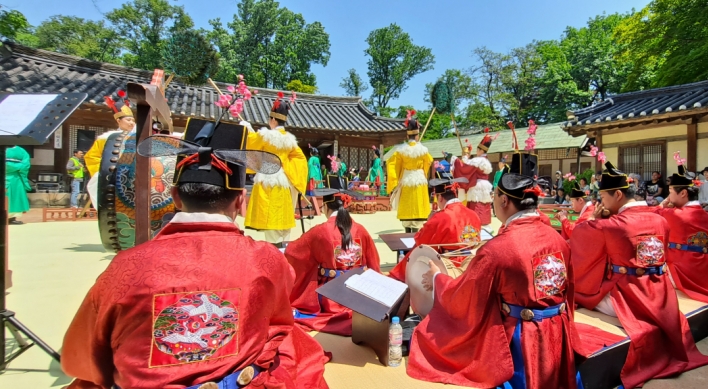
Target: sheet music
x=18, y=111
x=486, y=235
x=377, y=287
x=409, y=242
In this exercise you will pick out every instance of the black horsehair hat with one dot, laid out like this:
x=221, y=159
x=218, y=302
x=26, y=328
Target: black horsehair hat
x=411, y=123
x=683, y=177
x=521, y=178
x=576, y=192
x=280, y=108
x=219, y=159
x=444, y=185
x=613, y=178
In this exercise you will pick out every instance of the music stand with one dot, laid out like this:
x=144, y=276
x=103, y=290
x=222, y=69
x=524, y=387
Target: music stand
x=26, y=120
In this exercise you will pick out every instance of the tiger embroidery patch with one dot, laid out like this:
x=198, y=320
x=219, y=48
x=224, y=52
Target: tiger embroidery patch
x=700, y=239
x=650, y=250
x=549, y=275
x=469, y=235
x=194, y=326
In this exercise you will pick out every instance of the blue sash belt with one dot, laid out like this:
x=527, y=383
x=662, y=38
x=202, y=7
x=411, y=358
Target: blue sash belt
x=528, y=314
x=688, y=247
x=640, y=271
x=237, y=379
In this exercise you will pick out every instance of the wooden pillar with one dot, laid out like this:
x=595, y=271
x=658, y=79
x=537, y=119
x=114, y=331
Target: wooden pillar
x=336, y=144
x=598, y=143
x=692, y=145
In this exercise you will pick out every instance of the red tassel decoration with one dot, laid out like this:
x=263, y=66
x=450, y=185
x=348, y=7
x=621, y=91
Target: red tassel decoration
x=121, y=94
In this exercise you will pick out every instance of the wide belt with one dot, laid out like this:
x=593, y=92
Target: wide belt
x=688, y=247
x=529, y=314
x=237, y=379
x=640, y=271
x=334, y=273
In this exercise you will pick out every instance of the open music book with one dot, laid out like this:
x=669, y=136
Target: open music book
x=382, y=289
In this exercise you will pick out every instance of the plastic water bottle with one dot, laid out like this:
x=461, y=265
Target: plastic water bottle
x=395, y=340
x=401, y=256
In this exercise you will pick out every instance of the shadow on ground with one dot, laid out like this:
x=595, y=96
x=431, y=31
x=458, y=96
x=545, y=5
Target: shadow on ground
x=94, y=248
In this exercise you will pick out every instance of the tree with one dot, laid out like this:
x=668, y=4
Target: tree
x=460, y=83
x=298, y=86
x=12, y=23
x=393, y=61
x=667, y=43
x=269, y=45
x=352, y=84
x=189, y=55
x=76, y=36
x=145, y=26
x=488, y=106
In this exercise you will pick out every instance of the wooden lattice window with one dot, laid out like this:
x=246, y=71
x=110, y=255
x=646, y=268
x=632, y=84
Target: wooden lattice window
x=643, y=159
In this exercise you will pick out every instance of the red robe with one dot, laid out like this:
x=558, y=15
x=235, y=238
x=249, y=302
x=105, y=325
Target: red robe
x=689, y=226
x=567, y=226
x=319, y=248
x=453, y=224
x=478, y=187
x=196, y=303
x=661, y=341
x=465, y=339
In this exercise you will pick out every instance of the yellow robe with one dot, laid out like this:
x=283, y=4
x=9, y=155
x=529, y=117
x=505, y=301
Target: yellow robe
x=407, y=171
x=271, y=204
x=92, y=158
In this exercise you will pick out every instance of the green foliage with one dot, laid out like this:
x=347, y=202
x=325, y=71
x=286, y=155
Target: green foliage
x=145, y=27
x=442, y=98
x=189, y=55
x=12, y=23
x=82, y=38
x=393, y=61
x=568, y=184
x=352, y=84
x=298, y=86
x=269, y=45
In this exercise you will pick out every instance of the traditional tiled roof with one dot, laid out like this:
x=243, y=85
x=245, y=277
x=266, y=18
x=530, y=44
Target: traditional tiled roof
x=548, y=136
x=26, y=70
x=643, y=106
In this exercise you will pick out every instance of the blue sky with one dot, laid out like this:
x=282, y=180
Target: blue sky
x=452, y=29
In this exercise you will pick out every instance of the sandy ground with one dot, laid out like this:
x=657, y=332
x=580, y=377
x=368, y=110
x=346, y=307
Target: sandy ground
x=55, y=263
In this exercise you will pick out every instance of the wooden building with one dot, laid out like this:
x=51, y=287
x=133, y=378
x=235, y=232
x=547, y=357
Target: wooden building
x=556, y=149
x=333, y=124
x=640, y=131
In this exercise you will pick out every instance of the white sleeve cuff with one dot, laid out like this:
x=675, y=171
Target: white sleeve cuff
x=434, y=275
x=247, y=125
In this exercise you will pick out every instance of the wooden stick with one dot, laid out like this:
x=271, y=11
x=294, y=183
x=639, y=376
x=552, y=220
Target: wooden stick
x=452, y=116
x=213, y=85
x=420, y=139
x=167, y=83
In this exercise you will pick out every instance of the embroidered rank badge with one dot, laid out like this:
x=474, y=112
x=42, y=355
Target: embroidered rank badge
x=350, y=257
x=700, y=239
x=650, y=250
x=469, y=235
x=194, y=326
x=549, y=275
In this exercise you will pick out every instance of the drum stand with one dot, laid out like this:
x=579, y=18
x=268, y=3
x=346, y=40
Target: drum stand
x=7, y=317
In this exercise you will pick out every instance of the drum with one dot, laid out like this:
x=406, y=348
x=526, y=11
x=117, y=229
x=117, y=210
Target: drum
x=421, y=299
x=116, y=192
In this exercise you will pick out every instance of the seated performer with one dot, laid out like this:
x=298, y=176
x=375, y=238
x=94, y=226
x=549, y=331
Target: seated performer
x=454, y=223
x=687, y=255
x=581, y=206
x=201, y=302
x=620, y=271
x=407, y=170
x=478, y=190
x=508, y=319
x=324, y=253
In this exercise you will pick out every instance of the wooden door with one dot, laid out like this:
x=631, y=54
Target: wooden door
x=643, y=159
x=545, y=170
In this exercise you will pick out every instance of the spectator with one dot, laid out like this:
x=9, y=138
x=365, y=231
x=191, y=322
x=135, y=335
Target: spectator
x=703, y=190
x=640, y=193
x=656, y=189
x=584, y=185
x=559, y=181
x=566, y=201
x=560, y=196
x=75, y=167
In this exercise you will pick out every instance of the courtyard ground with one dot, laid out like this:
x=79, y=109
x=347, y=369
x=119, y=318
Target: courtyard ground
x=55, y=263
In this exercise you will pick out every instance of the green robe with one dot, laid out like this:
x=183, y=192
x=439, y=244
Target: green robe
x=314, y=172
x=377, y=171
x=17, y=163
x=342, y=172
x=497, y=176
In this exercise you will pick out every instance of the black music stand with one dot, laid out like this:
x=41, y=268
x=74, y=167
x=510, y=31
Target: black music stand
x=39, y=125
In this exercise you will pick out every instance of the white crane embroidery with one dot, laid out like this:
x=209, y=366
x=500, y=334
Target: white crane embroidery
x=207, y=309
x=190, y=337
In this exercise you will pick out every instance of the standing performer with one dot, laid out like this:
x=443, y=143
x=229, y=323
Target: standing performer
x=126, y=123
x=581, y=205
x=272, y=203
x=476, y=171
x=342, y=167
x=17, y=167
x=508, y=319
x=172, y=312
x=324, y=253
x=314, y=175
x=407, y=170
x=376, y=174
x=687, y=255
x=620, y=271
x=453, y=223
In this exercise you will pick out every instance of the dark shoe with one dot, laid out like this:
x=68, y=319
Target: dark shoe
x=16, y=222
x=407, y=229
x=414, y=229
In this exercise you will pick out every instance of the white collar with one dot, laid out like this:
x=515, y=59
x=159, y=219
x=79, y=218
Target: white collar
x=334, y=214
x=521, y=215
x=453, y=201
x=693, y=203
x=587, y=204
x=200, y=217
x=632, y=204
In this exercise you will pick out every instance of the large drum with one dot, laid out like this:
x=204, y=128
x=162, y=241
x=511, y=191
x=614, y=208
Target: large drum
x=116, y=192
